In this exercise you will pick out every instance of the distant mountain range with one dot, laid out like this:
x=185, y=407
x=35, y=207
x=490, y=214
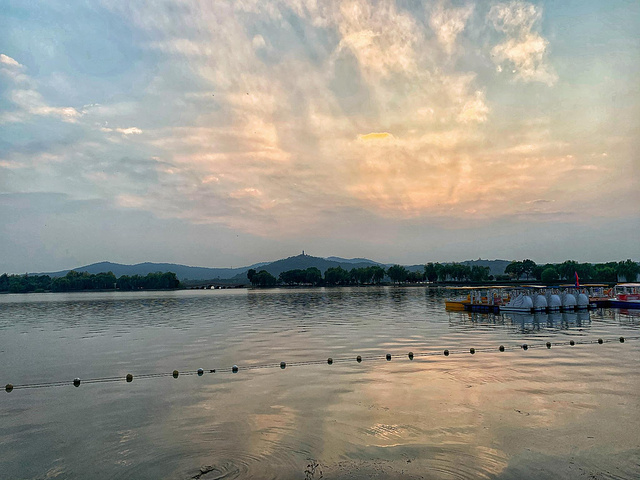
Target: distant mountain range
x=239, y=275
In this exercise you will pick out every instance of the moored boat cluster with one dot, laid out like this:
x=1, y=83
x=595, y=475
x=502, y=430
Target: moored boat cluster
x=539, y=298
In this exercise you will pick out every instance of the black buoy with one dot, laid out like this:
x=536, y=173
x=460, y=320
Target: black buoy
x=572, y=343
x=200, y=372
x=501, y=348
x=176, y=373
x=234, y=369
x=472, y=350
x=600, y=341
x=548, y=344
x=8, y=387
x=621, y=339
x=76, y=382
x=283, y=365
x=446, y=353
x=358, y=359
x=525, y=346
x=410, y=355
x=388, y=357
x=129, y=378
x=329, y=360
x=213, y=370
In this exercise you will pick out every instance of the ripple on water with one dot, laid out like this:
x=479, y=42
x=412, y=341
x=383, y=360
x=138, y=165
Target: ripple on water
x=413, y=462
x=461, y=416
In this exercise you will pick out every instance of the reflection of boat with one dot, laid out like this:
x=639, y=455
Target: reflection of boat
x=569, y=317
x=521, y=318
x=584, y=317
x=555, y=319
x=626, y=295
x=579, y=318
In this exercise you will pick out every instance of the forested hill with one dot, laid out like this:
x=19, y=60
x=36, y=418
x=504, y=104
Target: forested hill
x=496, y=266
x=303, y=262
x=184, y=272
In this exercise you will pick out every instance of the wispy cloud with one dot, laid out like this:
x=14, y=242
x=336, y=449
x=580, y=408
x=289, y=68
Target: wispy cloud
x=123, y=131
x=448, y=23
x=28, y=101
x=524, y=50
x=281, y=117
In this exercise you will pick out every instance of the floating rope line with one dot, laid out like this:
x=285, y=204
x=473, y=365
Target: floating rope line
x=330, y=361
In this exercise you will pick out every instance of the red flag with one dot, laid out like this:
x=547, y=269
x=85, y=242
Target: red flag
x=577, y=279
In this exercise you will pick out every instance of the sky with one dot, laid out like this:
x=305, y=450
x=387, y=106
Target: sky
x=225, y=133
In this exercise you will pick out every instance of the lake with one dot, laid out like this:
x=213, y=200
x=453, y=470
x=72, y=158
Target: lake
x=564, y=412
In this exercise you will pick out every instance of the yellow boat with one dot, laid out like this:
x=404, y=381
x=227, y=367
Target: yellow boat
x=478, y=296
x=456, y=305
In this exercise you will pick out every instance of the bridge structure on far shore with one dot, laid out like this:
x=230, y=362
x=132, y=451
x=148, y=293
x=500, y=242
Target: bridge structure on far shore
x=209, y=285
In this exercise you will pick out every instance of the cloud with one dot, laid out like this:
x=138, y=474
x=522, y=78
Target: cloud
x=258, y=42
x=6, y=60
x=475, y=109
x=524, y=49
x=123, y=131
x=279, y=127
x=382, y=38
x=11, y=68
x=448, y=23
x=28, y=101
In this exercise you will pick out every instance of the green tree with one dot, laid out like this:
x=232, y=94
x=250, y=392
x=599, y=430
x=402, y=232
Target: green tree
x=528, y=267
x=264, y=279
x=292, y=277
x=567, y=269
x=480, y=274
x=515, y=270
x=605, y=273
x=378, y=274
x=431, y=271
x=415, y=277
x=628, y=269
x=549, y=275
x=537, y=272
x=397, y=273
x=251, y=273
x=313, y=275
x=336, y=276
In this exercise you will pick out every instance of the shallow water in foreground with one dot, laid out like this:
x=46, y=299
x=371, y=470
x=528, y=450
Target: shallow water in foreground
x=564, y=412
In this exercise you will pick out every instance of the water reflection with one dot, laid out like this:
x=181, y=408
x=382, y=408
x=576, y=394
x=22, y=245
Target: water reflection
x=488, y=415
x=527, y=323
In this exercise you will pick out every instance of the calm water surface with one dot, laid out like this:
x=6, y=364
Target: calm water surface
x=567, y=412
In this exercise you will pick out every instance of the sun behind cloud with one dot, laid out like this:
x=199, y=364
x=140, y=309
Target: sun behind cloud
x=374, y=136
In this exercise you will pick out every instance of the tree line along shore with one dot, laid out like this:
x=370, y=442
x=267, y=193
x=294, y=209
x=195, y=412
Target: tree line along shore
x=83, y=281
x=610, y=272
